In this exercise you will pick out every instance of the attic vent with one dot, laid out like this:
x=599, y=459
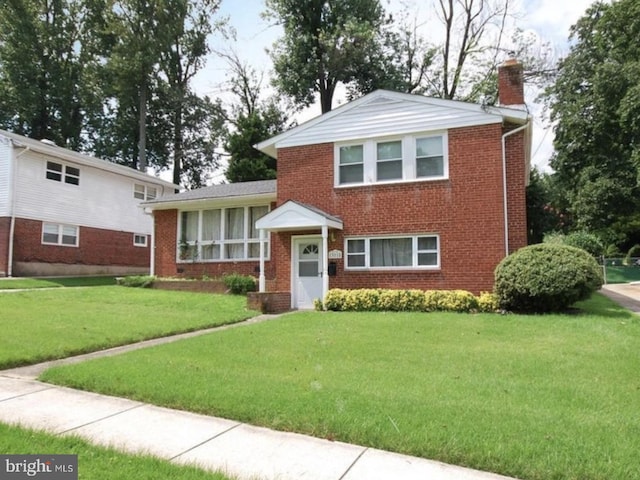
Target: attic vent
x=46, y=141
x=381, y=100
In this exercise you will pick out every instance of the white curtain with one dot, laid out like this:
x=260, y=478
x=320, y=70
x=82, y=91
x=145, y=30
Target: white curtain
x=391, y=252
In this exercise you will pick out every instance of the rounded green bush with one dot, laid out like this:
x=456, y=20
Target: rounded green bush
x=586, y=241
x=546, y=278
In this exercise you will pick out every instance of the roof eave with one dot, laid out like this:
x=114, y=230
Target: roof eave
x=211, y=201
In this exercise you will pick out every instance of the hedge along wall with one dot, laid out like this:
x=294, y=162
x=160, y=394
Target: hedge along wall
x=375, y=300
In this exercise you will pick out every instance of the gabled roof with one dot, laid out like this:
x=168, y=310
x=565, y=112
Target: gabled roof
x=258, y=190
x=387, y=113
x=293, y=215
x=61, y=153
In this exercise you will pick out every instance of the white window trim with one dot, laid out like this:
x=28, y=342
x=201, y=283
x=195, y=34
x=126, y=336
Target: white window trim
x=145, y=192
x=63, y=173
x=409, y=168
x=60, y=228
x=141, y=235
x=199, y=243
x=414, y=253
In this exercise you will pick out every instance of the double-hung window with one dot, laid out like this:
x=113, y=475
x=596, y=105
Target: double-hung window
x=220, y=234
x=400, y=252
x=407, y=158
x=429, y=157
x=389, y=161
x=351, y=163
x=59, y=172
x=57, y=234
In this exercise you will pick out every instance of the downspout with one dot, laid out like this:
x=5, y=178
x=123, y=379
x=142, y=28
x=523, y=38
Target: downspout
x=12, y=224
x=504, y=184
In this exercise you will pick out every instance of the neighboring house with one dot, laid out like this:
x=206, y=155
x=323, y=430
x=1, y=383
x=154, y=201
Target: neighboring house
x=65, y=213
x=391, y=190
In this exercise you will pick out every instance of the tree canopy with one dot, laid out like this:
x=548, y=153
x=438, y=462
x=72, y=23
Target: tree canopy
x=327, y=43
x=595, y=103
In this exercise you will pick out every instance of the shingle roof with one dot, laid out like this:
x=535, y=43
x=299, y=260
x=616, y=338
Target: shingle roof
x=242, y=189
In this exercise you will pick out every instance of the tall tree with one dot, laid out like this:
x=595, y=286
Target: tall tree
x=595, y=103
x=139, y=29
x=325, y=43
x=188, y=24
x=249, y=120
x=43, y=59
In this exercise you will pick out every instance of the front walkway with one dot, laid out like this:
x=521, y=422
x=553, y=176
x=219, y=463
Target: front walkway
x=626, y=294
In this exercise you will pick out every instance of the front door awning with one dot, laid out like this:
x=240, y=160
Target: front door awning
x=293, y=215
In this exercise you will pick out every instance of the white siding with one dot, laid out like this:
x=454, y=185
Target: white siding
x=5, y=177
x=389, y=117
x=101, y=200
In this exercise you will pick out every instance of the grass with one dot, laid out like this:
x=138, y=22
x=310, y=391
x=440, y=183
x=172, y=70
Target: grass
x=623, y=274
x=22, y=283
x=97, y=462
x=41, y=325
x=536, y=397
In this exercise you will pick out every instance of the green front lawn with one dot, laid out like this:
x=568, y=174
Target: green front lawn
x=21, y=283
x=536, y=397
x=97, y=463
x=41, y=325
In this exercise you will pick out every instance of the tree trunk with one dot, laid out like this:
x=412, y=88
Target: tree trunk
x=142, y=129
x=177, y=143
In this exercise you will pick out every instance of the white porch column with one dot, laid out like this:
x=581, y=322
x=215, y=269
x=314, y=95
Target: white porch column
x=261, y=279
x=325, y=261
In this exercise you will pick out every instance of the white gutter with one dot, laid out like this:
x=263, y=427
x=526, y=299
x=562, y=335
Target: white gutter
x=12, y=226
x=504, y=184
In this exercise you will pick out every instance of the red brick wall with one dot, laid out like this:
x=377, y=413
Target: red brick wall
x=466, y=211
x=5, y=223
x=96, y=247
x=166, y=230
x=516, y=190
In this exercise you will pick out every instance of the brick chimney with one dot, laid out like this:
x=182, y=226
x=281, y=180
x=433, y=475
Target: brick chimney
x=510, y=83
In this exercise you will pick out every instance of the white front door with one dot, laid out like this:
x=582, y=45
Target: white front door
x=307, y=271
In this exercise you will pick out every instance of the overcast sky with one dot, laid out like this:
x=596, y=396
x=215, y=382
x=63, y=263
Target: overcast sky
x=550, y=20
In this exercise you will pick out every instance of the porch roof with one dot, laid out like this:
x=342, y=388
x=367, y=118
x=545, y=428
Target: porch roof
x=293, y=215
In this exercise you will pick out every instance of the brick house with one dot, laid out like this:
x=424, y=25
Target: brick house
x=64, y=213
x=390, y=190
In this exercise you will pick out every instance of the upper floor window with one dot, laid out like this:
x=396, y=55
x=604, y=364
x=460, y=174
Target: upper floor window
x=144, y=192
x=59, y=172
x=429, y=157
x=420, y=251
x=409, y=158
x=389, y=161
x=57, y=234
x=220, y=234
x=351, y=164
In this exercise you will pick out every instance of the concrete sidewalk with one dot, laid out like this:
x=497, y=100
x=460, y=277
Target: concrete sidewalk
x=215, y=444
x=625, y=294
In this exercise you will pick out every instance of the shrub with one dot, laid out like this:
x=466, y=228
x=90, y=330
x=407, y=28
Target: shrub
x=239, y=284
x=372, y=300
x=488, y=302
x=580, y=239
x=586, y=241
x=546, y=277
x=140, y=281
